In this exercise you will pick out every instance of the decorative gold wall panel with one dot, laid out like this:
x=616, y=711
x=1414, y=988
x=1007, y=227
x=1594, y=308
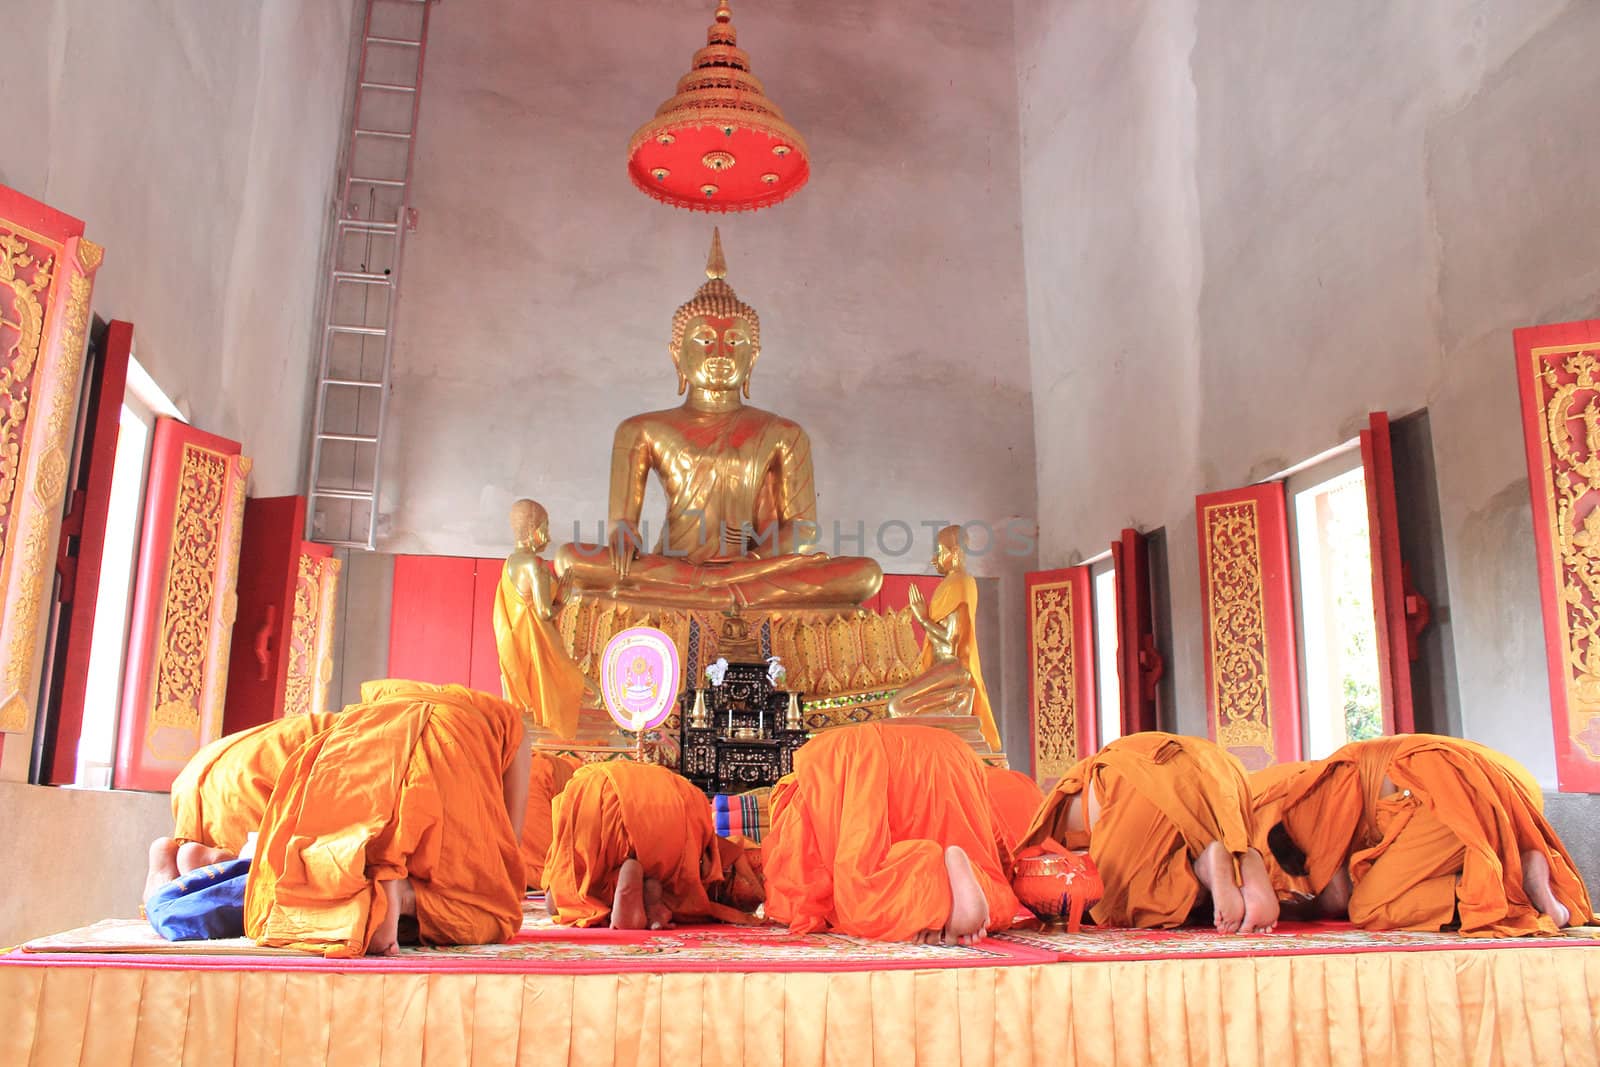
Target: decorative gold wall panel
x=1054, y=685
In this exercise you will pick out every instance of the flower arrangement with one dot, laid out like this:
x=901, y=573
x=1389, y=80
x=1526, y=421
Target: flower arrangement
x=716, y=671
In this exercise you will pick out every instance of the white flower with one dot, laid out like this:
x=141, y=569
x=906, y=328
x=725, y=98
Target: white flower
x=775, y=670
x=716, y=670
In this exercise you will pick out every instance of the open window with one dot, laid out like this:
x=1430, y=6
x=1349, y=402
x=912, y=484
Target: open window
x=1108, y=681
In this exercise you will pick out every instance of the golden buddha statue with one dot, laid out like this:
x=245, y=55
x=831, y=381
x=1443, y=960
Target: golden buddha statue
x=741, y=504
x=950, y=683
x=535, y=670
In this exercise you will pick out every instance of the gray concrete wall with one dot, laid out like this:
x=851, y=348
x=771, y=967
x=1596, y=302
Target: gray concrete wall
x=199, y=143
x=540, y=285
x=73, y=856
x=1249, y=224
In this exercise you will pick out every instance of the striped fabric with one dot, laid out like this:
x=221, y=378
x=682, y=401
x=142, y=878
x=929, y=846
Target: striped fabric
x=746, y=814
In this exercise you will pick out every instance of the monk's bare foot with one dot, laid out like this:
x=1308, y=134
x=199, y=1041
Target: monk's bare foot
x=163, y=865
x=969, y=908
x=656, y=913
x=1260, y=901
x=1334, y=900
x=627, y=906
x=928, y=937
x=1214, y=868
x=385, y=940
x=1536, y=882
x=192, y=855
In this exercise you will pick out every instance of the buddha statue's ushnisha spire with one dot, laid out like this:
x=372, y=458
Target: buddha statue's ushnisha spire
x=716, y=297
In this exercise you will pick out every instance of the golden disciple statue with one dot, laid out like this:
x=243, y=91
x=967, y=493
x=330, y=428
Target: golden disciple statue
x=741, y=503
x=535, y=669
x=950, y=679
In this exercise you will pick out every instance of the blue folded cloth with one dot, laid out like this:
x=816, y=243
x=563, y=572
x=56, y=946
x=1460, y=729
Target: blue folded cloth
x=203, y=905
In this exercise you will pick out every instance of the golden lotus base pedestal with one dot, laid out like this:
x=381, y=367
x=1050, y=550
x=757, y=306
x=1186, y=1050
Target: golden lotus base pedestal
x=965, y=727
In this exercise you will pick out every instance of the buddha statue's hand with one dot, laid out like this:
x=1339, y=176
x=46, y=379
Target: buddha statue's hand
x=918, y=606
x=624, y=547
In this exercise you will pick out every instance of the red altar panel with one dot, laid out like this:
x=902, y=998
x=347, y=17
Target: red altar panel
x=1558, y=373
x=1139, y=663
x=1397, y=611
x=312, y=619
x=184, y=600
x=1061, y=690
x=1252, y=679
x=484, y=673
x=895, y=594
x=431, y=619
x=46, y=277
x=80, y=569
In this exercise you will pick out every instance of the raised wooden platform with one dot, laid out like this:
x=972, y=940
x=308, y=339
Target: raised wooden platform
x=717, y=995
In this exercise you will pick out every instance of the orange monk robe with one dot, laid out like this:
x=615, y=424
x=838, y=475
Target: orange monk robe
x=859, y=832
x=1446, y=845
x=620, y=810
x=1268, y=787
x=220, y=795
x=1016, y=799
x=535, y=669
x=957, y=594
x=411, y=786
x=547, y=777
x=1163, y=800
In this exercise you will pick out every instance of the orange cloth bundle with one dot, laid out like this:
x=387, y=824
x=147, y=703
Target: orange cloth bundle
x=859, y=832
x=410, y=786
x=1162, y=798
x=220, y=795
x=612, y=812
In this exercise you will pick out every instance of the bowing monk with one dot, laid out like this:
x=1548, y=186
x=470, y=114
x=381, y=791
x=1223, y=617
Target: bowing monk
x=1016, y=799
x=634, y=848
x=221, y=793
x=885, y=830
x=1167, y=821
x=1415, y=832
x=409, y=805
x=548, y=776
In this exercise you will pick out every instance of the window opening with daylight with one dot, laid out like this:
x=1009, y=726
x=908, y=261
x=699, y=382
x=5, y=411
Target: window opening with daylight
x=1108, y=688
x=1332, y=556
x=141, y=404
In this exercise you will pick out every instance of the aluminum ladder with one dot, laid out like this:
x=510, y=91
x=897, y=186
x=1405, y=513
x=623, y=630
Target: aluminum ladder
x=362, y=286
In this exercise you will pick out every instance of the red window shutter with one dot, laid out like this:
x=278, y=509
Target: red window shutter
x=1558, y=372
x=1396, y=610
x=430, y=627
x=1139, y=663
x=1252, y=679
x=258, y=663
x=80, y=569
x=1061, y=690
x=183, y=604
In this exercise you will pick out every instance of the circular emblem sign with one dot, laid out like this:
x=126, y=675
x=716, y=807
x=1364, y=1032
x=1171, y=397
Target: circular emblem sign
x=639, y=676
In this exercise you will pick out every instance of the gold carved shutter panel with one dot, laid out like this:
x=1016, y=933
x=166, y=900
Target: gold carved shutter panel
x=1252, y=676
x=46, y=277
x=1061, y=691
x=1558, y=372
x=184, y=603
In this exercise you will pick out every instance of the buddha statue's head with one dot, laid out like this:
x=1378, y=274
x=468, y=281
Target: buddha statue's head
x=530, y=524
x=948, y=554
x=716, y=337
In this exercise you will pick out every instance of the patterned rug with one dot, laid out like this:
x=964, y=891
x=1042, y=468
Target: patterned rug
x=542, y=946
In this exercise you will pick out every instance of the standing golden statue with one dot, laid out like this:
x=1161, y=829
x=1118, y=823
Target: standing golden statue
x=950, y=682
x=741, y=502
x=535, y=670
